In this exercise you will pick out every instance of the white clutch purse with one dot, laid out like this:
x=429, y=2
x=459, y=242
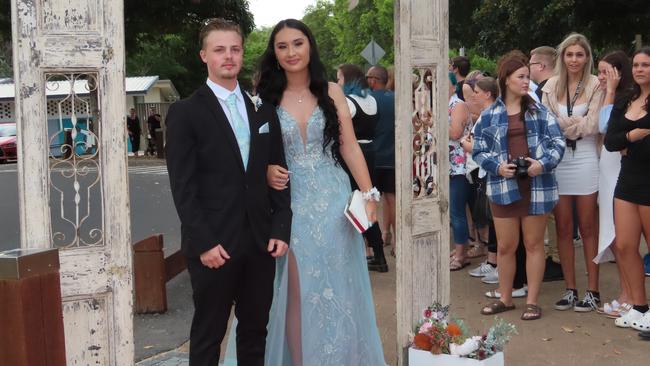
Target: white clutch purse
x=355, y=211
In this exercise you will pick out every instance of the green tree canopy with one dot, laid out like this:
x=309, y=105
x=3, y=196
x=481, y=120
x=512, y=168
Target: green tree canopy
x=161, y=36
x=340, y=34
x=495, y=27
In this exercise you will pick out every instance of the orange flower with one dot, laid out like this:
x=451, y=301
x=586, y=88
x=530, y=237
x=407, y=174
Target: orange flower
x=422, y=341
x=454, y=330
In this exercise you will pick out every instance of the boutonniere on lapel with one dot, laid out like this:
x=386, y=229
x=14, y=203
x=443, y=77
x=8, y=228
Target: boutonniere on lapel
x=257, y=101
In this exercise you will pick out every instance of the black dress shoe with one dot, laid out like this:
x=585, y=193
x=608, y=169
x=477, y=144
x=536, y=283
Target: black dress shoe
x=378, y=265
x=552, y=271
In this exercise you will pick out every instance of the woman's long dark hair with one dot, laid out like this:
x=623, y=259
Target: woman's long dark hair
x=636, y=89
x=620, y=61
x=273, y=82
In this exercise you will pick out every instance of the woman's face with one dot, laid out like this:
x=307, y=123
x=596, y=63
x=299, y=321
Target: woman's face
x=641, y=69
x=517, y=82
x=340, y=79
x=483, y=97
x=471, y=99
x=292, y=49
x=602, y=73
x=575, y=59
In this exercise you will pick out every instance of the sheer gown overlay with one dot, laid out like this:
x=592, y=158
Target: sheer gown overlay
x=338, y=325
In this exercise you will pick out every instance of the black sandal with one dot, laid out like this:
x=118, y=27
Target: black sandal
x=532, y=312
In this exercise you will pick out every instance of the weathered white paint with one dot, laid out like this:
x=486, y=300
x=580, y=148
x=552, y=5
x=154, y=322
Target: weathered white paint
x=68, y=36
x=421, y=41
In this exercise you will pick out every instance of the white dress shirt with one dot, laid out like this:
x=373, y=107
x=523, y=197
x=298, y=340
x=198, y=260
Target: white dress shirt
x=532, y=88
x=222, y=94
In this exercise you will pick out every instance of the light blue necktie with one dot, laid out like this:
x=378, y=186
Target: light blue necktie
x=242, y=132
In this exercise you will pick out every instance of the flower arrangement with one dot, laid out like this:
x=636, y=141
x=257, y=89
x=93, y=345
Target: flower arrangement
x=436, y=334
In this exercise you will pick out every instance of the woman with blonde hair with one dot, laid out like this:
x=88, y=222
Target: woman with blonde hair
x=574, y=96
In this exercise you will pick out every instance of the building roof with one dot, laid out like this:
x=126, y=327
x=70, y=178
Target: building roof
x=138, y=85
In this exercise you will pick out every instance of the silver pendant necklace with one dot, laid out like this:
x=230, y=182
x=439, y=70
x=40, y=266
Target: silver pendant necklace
x=300, y=97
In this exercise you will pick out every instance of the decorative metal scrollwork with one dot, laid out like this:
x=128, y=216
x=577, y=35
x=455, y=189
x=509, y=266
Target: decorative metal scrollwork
x=425, y=158
x=75, y=175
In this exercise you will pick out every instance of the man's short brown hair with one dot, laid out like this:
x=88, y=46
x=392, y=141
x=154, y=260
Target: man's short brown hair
x=218, y=24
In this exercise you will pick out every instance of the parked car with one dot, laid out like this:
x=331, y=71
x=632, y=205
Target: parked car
x=8, y=142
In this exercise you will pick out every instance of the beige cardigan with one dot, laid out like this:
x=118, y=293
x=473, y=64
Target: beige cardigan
x=575, y=127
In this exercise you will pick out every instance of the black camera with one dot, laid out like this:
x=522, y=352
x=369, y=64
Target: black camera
x=521, y=167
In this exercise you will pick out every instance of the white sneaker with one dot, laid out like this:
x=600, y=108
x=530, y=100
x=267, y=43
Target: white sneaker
x=482, y=270
x=625, y=321
x=492, y=277
x=495, y=294
x=642, y=324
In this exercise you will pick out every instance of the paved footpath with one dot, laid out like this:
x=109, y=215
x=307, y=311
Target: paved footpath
x=173, y=358
x=559, y=338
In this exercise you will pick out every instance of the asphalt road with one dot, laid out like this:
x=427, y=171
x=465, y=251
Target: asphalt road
x=152, y=209
x=152, y=212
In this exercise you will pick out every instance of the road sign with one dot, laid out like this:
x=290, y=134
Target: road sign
x=373, y=52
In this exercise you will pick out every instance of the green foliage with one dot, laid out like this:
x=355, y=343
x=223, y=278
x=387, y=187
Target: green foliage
x=256, y=44
x=498, y=335
x=478, y=61
x=461, y=32
x=495, y=27
x=5, y=39
x=341, y=35
x=319, y=18
x=151, y=56
x=173, y=26
x=6, y=70
x=371, y=19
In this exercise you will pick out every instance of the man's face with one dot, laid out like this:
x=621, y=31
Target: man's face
x=223, y=53
x=372, y=79
x=537, y=66
x=132, y=113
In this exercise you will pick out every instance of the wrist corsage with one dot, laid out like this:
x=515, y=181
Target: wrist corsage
x=371, y=195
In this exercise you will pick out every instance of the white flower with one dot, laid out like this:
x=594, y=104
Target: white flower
x=257, y=101
x=470, y=345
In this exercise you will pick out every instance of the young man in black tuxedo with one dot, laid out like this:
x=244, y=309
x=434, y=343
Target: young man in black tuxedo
x=233, y=225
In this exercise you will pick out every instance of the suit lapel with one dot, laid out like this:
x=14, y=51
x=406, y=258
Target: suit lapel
x=215, y=107
x=252, y=124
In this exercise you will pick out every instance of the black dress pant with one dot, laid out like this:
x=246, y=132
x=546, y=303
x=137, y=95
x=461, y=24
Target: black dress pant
x=245, y=281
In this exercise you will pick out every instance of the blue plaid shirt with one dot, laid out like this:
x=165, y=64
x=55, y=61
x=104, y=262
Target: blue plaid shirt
x=545, y=144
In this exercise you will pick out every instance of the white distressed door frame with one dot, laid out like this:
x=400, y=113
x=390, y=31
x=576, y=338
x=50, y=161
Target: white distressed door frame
x=72, y=37
x=421, y=41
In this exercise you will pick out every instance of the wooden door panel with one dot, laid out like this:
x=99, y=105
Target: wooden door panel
x=422, y=161
x=69, y=54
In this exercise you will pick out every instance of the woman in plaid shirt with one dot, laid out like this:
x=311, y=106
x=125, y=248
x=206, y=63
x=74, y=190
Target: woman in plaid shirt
x=518, y=143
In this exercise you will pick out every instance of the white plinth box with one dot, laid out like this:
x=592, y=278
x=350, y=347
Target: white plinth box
x=424, y=358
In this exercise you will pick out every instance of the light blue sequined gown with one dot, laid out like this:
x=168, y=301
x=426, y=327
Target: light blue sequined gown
x=338, y=317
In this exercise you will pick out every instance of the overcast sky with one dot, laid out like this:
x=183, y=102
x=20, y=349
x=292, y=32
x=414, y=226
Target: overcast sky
x=269, y=12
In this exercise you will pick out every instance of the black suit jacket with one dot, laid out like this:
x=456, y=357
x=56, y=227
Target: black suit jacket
x=212, y=192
